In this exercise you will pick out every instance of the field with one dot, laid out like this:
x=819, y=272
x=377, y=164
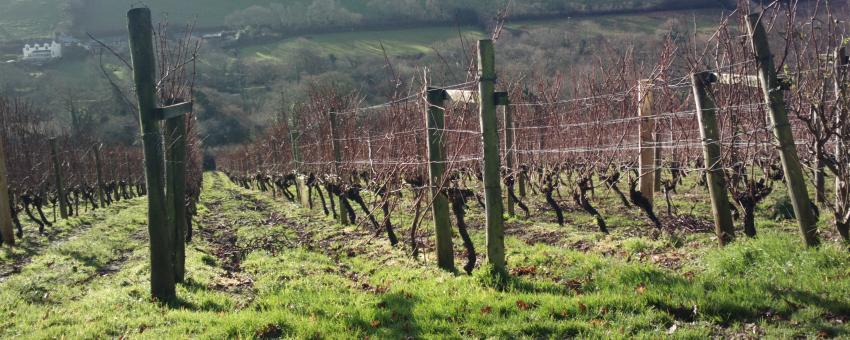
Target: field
x=24, y=19
x=602, y=177
x=28, y=19
x=396, y=42
x=406, y=42
x=263, y=268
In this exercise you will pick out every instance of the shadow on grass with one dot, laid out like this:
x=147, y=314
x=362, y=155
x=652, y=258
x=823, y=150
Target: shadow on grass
x=205, y=306
x=394, y=318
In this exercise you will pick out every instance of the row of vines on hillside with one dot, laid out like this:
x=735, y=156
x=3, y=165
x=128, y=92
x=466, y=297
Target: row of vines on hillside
x=565, y=137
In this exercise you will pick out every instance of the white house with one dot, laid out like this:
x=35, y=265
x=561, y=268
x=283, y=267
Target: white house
x=44, y=51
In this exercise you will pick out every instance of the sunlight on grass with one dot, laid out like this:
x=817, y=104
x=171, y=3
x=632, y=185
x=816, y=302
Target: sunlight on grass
x=308, y=278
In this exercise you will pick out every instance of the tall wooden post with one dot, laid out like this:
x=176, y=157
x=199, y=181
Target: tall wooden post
x=57, y=179
x=175, y=140
x=841, y=184
x=510, y=153
x=6, y=227
x=294, y=142
x=435, y=121
x=144, y=70
x=129, y=180
x=710, y=133
x=337, y=151
x=773, y=94
x=492, y=166
x=657, y=154
x=647, y=143
x=99, y=172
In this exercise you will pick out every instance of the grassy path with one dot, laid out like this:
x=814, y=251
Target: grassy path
x=262, y=268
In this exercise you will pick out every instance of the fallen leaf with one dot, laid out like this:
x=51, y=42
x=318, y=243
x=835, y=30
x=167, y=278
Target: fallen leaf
x=486, y=310
x=522, y=305
x=520, y=271
x=574, y=285
x=375, y=323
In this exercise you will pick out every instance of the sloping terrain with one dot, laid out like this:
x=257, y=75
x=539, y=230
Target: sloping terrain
x=260, y=267
x=30, y=19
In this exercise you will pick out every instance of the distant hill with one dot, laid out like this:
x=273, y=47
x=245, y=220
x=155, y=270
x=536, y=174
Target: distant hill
x=21, y=20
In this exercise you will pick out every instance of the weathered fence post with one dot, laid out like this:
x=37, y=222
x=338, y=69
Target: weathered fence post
x=658, y=155
x=510, y=153
x=294, y=139
x=492, y=167
x=841, y=184
x=57, y=179
x=144, y=70
x=773, y=94
x=175, y=140
x=6, y=227
x=435, y=121
x=710, y=133
x=99, y=172
x=337, y=151
x=647, y=143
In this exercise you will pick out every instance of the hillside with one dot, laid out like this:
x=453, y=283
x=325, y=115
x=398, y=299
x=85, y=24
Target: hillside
x=20, y=20
x=263, y=268
x=244, y=81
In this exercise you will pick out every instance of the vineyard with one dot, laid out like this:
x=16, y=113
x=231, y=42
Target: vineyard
x=702, y=194
x=737, y=125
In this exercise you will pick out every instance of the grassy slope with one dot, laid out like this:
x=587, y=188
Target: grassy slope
x=21, y=19
x=108, y=15
x=396, y=42
x=26, y=19
x=415, y=41
x=302, y=276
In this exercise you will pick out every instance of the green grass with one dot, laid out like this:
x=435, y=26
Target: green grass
x=644, y=24
x=396, y=43
x=302, y=276
x=25, y=19
x=109, y=15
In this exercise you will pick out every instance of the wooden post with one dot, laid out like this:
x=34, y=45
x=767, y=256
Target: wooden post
x=57, y=179
x=773, y=94
x=6, y=227
x=294, y=142
x=99, y=172
x=127, y=189
x=303, y=199
x=710, y=133
x=337, y=151
x=492, y=166
x=657, y=151
x=510, y=153
x=144, y=70
x=841, y=63
x=647, y=143
x=175, y=140
x=435, y=121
